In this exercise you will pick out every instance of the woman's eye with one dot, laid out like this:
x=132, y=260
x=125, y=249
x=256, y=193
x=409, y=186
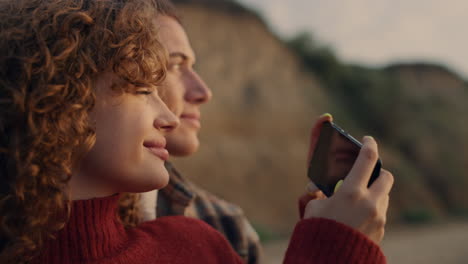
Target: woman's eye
x=145, y=92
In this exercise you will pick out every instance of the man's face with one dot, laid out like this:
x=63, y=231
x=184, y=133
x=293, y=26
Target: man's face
x=183, y=90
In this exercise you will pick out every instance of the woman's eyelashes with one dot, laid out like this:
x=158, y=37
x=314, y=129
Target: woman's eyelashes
x=145, y=91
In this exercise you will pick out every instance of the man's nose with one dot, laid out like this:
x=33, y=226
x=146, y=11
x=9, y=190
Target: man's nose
x=197, y=92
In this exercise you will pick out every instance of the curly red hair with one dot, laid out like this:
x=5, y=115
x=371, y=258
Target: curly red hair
x=51, y=51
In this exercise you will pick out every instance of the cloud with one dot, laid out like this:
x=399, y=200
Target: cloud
x=378, y=31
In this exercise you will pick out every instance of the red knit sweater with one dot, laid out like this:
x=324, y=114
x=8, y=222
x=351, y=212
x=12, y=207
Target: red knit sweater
x=95, y=235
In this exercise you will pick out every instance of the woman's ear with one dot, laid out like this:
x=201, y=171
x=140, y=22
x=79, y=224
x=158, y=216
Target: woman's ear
x=315, y=134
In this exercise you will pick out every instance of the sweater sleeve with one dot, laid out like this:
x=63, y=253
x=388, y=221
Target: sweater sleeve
x=320, y=240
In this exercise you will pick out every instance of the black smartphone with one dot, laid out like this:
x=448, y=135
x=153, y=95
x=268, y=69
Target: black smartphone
x=334, y=156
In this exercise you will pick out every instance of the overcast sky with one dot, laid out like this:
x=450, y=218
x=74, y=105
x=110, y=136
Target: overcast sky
x=378, y=32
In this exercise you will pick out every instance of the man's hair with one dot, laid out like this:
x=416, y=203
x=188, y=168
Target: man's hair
x=167, y=8
x=50, y=54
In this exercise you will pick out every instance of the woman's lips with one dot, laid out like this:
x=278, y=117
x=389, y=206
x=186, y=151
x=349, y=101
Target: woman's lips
x=161, y=153
x=158, y=148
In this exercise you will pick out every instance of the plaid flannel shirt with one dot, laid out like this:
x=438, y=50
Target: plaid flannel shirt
x=182, y=197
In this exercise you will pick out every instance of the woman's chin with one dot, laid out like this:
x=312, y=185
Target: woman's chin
x=156, y=183
x=148, y=182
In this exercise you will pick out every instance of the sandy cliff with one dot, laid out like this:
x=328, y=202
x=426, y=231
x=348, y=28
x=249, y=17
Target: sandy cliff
x=255, y=130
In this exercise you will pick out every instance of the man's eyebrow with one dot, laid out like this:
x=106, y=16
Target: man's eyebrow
x=178, y=54
x=183, y=56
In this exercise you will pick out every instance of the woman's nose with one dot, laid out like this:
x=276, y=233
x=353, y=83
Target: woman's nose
x=166, y=120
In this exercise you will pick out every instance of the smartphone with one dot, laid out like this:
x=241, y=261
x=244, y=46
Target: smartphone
x=334, y=156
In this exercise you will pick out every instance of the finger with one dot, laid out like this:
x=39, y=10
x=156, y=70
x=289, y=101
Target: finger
x=314, y=208
x=303, y=200
x=315, y=134
x=306, y=198
x=385, y=203
x=314, y=193
x=312, y=188
x=362, y=169
x=380, y=236
x=383, y=184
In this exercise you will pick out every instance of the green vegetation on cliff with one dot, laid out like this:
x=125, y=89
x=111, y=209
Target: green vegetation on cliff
x=354, y=88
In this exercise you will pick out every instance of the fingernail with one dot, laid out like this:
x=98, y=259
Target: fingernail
x=338, y=185
x=366, y=138
x=326, y=114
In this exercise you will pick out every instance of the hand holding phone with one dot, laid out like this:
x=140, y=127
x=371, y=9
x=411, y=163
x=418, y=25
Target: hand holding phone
x=333, y=157
x=355, y=204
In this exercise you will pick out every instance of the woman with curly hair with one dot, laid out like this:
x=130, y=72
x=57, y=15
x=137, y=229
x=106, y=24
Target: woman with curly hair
x=81, y=121
x=71, y=71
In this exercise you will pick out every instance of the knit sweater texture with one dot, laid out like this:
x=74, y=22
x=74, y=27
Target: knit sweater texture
x=94, y=235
